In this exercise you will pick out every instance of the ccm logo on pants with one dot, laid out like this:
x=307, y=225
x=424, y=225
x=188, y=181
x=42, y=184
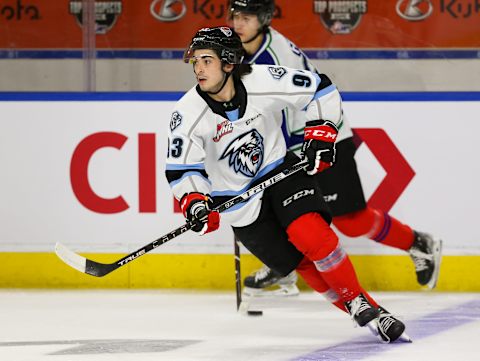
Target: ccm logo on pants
x=298, y=195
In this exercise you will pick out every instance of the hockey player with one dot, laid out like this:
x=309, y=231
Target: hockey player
x=351, y=216
x=224, y=138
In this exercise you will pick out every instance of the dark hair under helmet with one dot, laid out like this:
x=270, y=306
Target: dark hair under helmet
x=223, y=40
x=264, y=9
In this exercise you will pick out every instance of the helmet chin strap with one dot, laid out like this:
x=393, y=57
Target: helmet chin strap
x=226, y=76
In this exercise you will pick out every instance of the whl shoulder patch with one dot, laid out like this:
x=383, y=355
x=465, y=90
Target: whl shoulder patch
x=175, y=121
x=277, y=71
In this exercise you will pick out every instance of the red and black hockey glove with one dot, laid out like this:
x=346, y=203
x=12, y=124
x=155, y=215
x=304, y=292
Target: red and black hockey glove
x=319, y=145
x=196, y=206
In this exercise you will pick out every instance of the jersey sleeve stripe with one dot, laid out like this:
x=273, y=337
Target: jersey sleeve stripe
x=184, y=166
x=324, y=91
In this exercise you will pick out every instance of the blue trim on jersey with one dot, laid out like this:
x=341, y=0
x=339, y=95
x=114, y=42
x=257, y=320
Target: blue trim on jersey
x=286, y=135
x=305, y=61
x=233, y=114
x=189, y=174
x=320, y=93
x=264, y=171
x=324, y=91
x=265, y=59
x=175, y=96
x=317, y=79
x=170, y=166
x=290, y=139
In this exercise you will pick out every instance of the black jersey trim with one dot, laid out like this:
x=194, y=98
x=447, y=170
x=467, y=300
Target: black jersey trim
x=239, y=99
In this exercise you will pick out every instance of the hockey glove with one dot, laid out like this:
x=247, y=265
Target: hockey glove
x=196, y=207
x=319, y=145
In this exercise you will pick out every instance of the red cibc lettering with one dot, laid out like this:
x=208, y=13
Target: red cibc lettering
x=82, y=188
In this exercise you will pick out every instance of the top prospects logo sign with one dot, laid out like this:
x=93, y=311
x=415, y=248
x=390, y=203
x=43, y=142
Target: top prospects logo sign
x=106, y=14
x=340, y=16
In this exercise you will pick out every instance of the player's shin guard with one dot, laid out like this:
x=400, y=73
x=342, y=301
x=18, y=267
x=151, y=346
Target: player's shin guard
x=376, y=225
x=362, y=314
x=317, y=241
x=307, y=270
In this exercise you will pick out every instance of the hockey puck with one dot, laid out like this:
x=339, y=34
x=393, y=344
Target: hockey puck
x=255, y=313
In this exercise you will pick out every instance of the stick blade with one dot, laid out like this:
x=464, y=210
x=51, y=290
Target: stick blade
x=71, y=258
x=83, y=264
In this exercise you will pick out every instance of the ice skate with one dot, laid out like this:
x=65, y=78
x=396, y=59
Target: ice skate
x=388, y=328
x=266, y=282
x=426, y=253
x=361, y=310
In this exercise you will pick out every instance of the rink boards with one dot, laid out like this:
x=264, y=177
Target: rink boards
x=87, y=170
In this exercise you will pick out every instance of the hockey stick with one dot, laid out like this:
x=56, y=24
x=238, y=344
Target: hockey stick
x=97, y=269
x=238, y=276
x=242, y=304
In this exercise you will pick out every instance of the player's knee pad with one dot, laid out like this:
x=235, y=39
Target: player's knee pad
x=312, y=236
x=358, y=223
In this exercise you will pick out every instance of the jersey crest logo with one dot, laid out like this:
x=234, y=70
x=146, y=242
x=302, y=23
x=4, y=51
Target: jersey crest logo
x=277, y=72
x=175, y=121
x=223, y=128
x=245, y=153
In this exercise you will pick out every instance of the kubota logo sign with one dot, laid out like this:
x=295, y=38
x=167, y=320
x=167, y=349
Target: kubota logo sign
x=398, y=171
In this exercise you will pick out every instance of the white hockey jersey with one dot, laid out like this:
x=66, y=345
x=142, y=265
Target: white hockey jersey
x=276, y=49
x=212, y=154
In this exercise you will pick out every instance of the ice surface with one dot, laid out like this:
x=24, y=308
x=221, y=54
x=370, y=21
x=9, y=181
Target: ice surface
x=162, y=325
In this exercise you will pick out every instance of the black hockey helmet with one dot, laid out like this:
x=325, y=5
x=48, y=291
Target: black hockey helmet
x=223, y=40
x=264, y=9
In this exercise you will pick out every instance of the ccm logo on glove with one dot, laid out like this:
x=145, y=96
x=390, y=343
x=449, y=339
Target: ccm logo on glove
x=319, y=145
x=321, y=132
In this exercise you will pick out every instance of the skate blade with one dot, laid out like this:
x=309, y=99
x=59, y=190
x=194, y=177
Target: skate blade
x=437, y=256
x=283, y=291
x=404, y=338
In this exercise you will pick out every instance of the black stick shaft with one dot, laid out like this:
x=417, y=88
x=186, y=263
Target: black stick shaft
x=238, y=275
